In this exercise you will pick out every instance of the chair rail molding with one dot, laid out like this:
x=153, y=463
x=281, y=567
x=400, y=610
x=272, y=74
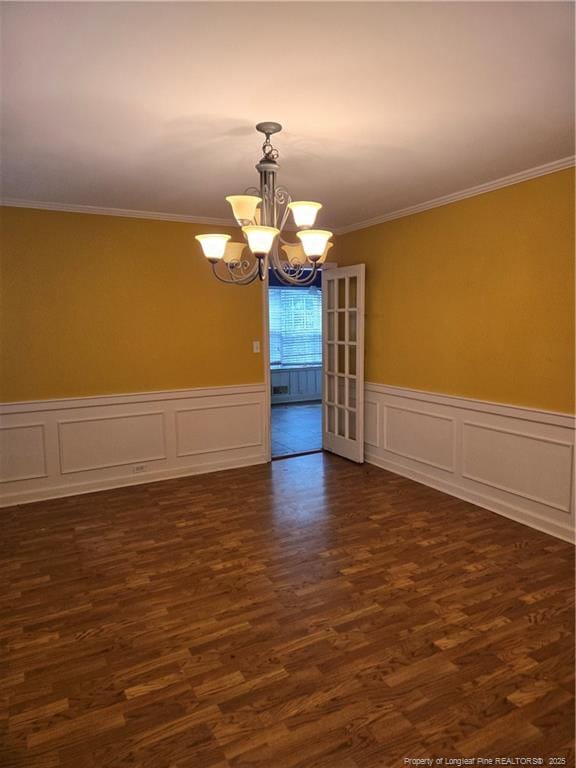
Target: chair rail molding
x=54, y=448
x=515, y=461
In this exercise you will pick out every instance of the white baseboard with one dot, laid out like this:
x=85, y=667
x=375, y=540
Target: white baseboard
x=517, y=462
x=561, y=531
x=55, y=448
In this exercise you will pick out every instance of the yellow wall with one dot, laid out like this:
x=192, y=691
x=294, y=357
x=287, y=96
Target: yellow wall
x=475, y=298
x=96, y=305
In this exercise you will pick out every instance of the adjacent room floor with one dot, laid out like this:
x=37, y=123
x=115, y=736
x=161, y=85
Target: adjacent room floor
x=311, y=613
x=296, y=428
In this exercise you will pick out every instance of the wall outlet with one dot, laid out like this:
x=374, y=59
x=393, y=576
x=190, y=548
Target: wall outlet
x=256, y=347
x=139, y=468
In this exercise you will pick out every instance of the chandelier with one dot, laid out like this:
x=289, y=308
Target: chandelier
x=262, y=215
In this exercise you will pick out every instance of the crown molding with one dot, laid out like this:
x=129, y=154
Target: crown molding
x=454, y=197
x=125, y=212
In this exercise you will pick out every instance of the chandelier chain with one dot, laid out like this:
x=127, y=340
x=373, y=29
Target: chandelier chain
x=270, y=153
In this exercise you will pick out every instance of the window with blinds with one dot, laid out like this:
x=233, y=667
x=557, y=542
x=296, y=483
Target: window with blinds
x=295, y=327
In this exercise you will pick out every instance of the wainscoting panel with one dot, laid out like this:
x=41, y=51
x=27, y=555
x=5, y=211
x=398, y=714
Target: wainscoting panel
x=55, y=448
x=517, y=462
x=207, y=430
x=111, y=441
x=424, y=437
x=486, y=459
x=371, y=422
x=22, y=452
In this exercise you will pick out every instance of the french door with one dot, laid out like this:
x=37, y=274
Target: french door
x=343, y=361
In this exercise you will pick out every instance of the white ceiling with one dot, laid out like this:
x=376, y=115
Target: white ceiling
x=152, y=106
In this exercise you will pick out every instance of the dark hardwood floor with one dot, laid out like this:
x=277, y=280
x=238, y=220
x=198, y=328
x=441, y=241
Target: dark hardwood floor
x=311, y=613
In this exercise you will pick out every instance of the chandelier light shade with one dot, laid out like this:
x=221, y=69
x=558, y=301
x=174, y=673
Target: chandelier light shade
x=322, y=258
x=244, y=207
x=233, y=253
x=260, y=239
x=262, y=212
x=304, y=213
x=314, y=242
x=213, y=246
x=295, y=254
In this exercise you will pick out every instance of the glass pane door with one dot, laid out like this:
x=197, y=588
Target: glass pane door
x=343, y=361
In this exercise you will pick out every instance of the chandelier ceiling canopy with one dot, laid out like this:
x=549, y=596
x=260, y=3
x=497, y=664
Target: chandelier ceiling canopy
x=262, y=213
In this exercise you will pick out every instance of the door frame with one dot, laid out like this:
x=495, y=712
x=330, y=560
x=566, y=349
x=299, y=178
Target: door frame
x=265, y=351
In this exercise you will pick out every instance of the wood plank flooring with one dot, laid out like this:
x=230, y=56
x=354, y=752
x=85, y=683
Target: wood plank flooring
x=306, y=614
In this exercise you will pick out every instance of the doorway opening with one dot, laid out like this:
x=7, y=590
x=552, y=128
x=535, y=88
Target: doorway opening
x=295, y=338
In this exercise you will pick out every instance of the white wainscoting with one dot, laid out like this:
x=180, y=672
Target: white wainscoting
x=52, y=448
x=515, y=461
x=518, y=462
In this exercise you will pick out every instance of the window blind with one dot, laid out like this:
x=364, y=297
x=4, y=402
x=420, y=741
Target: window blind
x=295, y=326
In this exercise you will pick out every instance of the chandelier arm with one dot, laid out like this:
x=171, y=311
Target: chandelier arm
x=283, y=273
x=285, y=215
x=243, y=280
x=275, y=261
x=282, y=268
x=283, y=198
x=290, y=280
